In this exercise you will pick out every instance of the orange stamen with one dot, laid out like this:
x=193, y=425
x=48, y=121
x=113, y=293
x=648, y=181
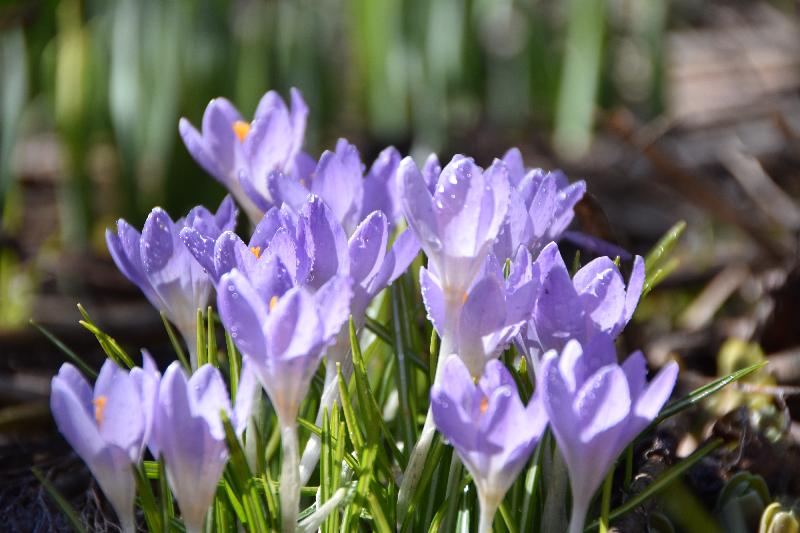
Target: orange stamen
x=272, y=303
x=241, y=129
x=99, y=408
x=256, y=250
x=464, y=297
x=484, y=405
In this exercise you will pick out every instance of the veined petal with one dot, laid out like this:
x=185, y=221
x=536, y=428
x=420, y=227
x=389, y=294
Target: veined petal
x=242, y=314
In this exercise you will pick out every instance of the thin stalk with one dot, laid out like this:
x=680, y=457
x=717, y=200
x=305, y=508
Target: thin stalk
x=488, y=509
x=578, y=517
x=416, y=462
x=605, y=501
x=290, y=478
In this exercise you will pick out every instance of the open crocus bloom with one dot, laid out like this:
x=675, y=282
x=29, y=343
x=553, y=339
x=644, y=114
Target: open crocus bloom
x=596, y=408
x=540, y=208
x=241, y=154
x=457, y=224
x=108, y=427
x=159, y=263
x=188, y=433
x=492, y=431
x=493, y=312
x=595, y=301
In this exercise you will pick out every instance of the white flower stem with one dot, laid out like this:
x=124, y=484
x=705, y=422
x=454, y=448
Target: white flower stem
x=330, y=393
x=127, y=523
x=290, y=478
x=416, y=462
x=578, y=517
x=488, y=510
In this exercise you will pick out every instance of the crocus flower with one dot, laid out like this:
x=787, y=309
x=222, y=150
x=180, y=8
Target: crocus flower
x=596, y=408
x=492, y=431
x=109, y=426
x=163, y=268
x=241, y=154
x=493, y=312
x=188, y=433
x=457, y=224
x=540, y=207
x=594, y=301
x=284, y=336
x=339, y=180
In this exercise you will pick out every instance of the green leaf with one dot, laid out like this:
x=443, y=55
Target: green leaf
x=109, y=345
x=201, y=339
x=660, y=483
x=211, y=338
x=705, y=391
x=176, y=345
x=79, y=362
x=61, y=502
x=664, y=246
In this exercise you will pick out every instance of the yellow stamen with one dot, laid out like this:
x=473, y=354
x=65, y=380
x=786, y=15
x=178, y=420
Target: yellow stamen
x=241, y=129
x=99, y=408
x=256, y=250
x=484, y=404
x=272, y=303
x=464, y=297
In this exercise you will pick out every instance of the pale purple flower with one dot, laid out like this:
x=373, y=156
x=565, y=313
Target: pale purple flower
x=108, y=427
x=163, y=268
x=596, y=408
x=540, y=209
x=594, y=301
x=457, y=224
x=492, y=431
x=339, y=180
x=493, y=312
x=241, y=154
x=188, y=432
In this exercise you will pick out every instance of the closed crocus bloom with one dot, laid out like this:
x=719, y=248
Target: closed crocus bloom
x=163, y=267
x=492, y=431
x=596, y=408
x=109, y=426
x=241, y=154
x=493, y=312
x=457, y=224
x=541, y=207
x=284, y=337
x=188, y=433
x=594, y=301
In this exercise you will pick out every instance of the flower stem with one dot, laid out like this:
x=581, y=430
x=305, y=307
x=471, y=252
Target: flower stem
x=488, y=510
x=578, y=517
x=419, y=454
x=290, y=478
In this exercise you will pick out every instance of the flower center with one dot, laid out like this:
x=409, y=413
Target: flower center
x=272, y=303
x=484, y=405
x=241, y=129
x=99, y=409
x=256, y=250
x=464, y=297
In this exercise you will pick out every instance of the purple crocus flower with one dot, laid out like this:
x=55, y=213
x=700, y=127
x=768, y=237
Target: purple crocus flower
x=596, y=408
x=594, y=301
x=241, y=154
x=108, y=427
x=285, y=337
x=540, y=208
x=163, y=268
x=492, y=431
x=188, y=433
x=339, y=180
x=457, y=224
x=493, y=312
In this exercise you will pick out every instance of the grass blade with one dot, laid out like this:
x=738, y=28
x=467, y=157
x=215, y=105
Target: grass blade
x=75, y=358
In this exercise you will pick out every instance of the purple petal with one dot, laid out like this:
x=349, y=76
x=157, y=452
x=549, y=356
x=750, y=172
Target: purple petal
x=242, y=314
x=367, y=247
x=602, y=293
x=417, y=206
x=285, y=188
x=120, y=420
x=201, y=248
x=451, y=403
x=400, y=256
x=245, y=396
x=339, y=181
x=603, y=402
x=433, y=297
x=229, y=253
x=326, y=239
x=657, y=392
x=430, y=172
x=208, y=397
x=294, y=328
x=196, y=146
x=333, y=302
x=559, y=315
x=72, y=412
x=635, y=286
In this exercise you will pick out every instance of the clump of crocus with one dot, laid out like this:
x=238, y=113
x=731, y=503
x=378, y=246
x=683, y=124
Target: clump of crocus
x=242, y=155
x=188, y=433
x=596, y=408
x=284, y=336
x=493, y=312
x=159, y=263
x=492, y=431
x=594, y=301
x=108, y=427
x=340, y=181
x=540, y=208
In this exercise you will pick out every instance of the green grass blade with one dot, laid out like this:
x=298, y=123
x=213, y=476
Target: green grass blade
x=664, y=246
x=176, y=345
x=75, y=358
